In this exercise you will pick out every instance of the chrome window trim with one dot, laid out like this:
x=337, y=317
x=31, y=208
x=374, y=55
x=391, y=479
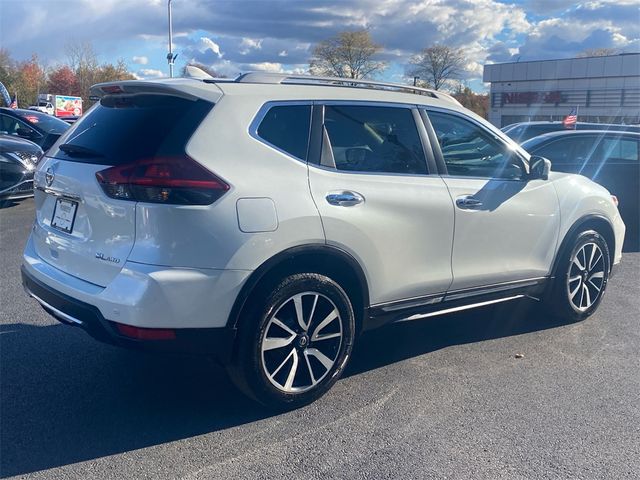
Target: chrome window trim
x=364, y=103
x=262, y=112
x=379, y=174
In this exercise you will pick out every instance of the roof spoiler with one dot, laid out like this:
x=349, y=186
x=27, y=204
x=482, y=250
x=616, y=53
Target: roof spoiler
x=132, y=87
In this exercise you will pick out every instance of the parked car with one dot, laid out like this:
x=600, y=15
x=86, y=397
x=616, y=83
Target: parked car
x=37, y=127
x=526, y=130
x=268, y=220
x=18, y=160
x=610, y=158
x=44, y=107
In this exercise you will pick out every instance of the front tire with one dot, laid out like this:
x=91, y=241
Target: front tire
x=294, y=341
x=581, y=277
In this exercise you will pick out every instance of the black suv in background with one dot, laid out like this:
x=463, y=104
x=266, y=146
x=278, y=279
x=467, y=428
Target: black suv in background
x=526, y=130
x=611, y=159
x=38, y=127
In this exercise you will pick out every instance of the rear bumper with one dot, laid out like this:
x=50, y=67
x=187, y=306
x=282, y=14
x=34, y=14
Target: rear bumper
x=195, y=303
x=217, y=342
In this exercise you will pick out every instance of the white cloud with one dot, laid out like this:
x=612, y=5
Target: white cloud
x=208, y=44
x=147, y=73
x=266, y=67
x=248, y=44
x=140, y=60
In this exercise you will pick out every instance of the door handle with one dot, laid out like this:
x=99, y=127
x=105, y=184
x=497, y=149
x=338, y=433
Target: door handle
x=344, y=199
x=468, y=202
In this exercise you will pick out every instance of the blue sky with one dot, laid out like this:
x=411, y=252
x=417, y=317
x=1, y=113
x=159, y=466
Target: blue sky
x=242, y=35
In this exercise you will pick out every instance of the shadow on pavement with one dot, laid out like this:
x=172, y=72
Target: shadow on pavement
x=66, y=398
x=4, y=203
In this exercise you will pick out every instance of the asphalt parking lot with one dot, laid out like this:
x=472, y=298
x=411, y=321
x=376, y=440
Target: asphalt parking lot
x=441, y=398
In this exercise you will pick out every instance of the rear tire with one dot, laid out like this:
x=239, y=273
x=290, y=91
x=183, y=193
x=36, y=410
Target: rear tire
x=294, y=341
x=581, y=277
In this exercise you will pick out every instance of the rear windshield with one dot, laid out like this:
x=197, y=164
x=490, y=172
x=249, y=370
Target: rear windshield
x=123, y=129
x=44, y=122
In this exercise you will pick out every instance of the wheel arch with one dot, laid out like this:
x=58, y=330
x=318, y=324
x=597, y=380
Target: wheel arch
x=314, y=258
x=600, y=224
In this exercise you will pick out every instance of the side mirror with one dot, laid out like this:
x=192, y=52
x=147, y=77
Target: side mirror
x=539, y=168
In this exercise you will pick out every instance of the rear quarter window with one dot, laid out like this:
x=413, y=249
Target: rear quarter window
x=287, y=128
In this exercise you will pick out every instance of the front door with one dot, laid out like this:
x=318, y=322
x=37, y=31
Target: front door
x=506, y=226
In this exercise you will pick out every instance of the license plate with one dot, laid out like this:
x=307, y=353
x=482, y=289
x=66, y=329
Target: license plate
x=64, y=214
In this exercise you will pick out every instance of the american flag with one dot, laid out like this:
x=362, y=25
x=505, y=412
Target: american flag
x=14, y=103
x=571, y=119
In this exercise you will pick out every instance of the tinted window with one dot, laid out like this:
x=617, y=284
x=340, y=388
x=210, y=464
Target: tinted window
x=619, y=150
x=583, y=149
x=13, y=126
x=45, y=122
x=566, y=150
x=287, y=127
x=120, y=130
x=374, y=139
x=469, y=150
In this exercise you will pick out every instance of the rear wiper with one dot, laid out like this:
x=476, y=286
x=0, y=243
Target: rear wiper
x=79, y=151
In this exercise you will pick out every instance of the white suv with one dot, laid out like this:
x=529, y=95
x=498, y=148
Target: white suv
x=268, y=220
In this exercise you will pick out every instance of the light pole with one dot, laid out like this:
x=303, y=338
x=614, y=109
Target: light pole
x=170, y=56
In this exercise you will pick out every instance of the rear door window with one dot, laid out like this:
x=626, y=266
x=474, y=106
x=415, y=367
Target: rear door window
x=286, y=127
x=374, y=139
x=619, y=150
x=123, y=129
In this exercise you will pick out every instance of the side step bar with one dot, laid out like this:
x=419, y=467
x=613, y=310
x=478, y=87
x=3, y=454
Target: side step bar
x=418, y=316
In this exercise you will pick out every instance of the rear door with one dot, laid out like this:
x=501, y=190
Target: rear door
x=379, y=201
x=79, y=229
x=506, y=226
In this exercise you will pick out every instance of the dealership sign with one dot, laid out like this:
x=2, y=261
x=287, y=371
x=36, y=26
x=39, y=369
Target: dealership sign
x=530, y=98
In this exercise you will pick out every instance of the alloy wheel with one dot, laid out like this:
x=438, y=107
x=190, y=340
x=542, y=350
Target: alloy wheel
x=301, y=342
x=586, y=276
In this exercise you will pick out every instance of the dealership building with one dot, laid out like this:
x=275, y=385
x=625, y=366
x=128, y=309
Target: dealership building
x=604, y=89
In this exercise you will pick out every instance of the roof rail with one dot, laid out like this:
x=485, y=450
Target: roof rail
x=292, y=79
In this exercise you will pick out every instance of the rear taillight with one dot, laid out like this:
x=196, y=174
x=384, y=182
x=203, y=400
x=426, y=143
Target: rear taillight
x=175, y=180
x=145, y=333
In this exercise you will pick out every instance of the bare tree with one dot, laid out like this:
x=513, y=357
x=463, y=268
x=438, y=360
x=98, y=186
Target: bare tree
x=598, y=52
x=349, y=54
x=84, y=62
x=437, y=65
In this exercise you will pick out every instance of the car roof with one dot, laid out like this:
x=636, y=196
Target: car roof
x=546, y=137
x=275, y=87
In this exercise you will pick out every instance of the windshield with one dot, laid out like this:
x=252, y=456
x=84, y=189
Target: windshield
x=44, y=122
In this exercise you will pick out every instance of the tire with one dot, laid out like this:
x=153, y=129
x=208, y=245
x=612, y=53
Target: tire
x=294, y=341
x=582, y=273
